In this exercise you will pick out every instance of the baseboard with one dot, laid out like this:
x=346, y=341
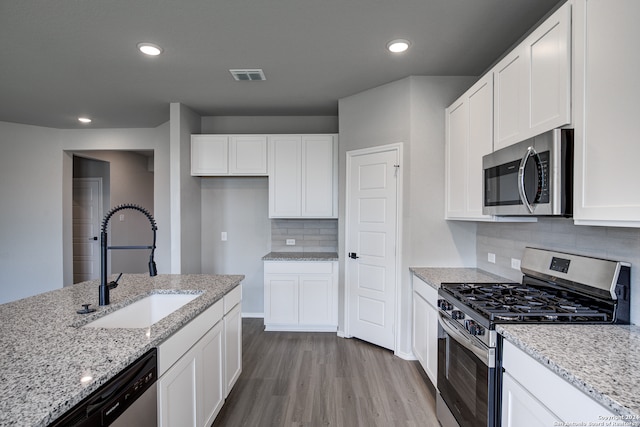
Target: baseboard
x=253, y=315
x=342, y=334
x=405, y=356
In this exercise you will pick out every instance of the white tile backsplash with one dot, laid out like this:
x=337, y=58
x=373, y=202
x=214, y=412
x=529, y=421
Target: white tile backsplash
x=508, y=240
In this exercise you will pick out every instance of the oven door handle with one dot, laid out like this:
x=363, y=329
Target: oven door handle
x=484, y=354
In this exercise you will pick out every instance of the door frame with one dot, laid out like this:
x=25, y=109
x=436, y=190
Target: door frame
x=98, y=180
x=398, y=148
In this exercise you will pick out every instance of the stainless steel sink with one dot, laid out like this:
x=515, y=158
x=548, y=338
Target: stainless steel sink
x=144, y=312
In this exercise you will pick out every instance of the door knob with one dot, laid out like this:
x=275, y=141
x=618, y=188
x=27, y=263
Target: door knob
x=353, y=255
x=93, y=238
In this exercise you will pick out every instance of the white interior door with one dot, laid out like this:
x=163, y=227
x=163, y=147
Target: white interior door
x=87, y=213
x=372, y=231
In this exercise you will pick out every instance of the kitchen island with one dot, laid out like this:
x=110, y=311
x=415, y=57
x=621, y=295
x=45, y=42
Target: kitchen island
x=49, y=362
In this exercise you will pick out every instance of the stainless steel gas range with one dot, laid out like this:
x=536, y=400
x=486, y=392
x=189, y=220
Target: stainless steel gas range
x=556, y=288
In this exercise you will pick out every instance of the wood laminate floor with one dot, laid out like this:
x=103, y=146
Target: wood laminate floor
x=318, y=379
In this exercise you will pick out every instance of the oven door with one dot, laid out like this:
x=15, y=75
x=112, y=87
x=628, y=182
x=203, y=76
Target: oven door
x=466, y=378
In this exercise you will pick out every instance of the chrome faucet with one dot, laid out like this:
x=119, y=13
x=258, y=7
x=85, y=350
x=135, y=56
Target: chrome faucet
x=153, y=271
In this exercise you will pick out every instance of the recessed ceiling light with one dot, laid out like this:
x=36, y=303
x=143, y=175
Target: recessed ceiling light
x=398, y=45
x=150, y=49
x=84, y=119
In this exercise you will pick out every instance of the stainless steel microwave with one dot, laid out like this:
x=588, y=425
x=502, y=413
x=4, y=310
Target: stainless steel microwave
x=532, y=177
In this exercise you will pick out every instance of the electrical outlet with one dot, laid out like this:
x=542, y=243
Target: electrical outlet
x=491, y=258
x=223, y=236
x=515, y=263
x=121, y=217
x=291, y=242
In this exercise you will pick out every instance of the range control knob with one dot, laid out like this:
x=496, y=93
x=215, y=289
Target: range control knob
x=474, y=328
x=457, y=314
x=444, y=305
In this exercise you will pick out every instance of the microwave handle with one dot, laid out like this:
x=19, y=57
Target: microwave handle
x=531, y=152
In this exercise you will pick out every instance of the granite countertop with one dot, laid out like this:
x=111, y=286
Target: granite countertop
x=44, y=352
x=601, y=360
x=301, y=256
x=436, y=276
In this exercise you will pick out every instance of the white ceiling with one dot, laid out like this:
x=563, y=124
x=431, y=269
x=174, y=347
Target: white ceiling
x=64, y=58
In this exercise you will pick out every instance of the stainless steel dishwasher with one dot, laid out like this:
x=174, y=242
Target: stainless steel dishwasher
x=128, y=399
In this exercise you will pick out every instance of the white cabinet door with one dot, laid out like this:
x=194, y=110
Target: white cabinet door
x=303, y=179
x=211, y=375
x=521, y=409
x=177, y=393
x=285, y=176
x=532, y=84
x=606, y=127
x=232, y=347
x=248, y=155
x=511, y=97
x=281, y=300
x=420, y=310
x=469, y=137
x=301, y=296
x=191, y=392
x=209, y=155
x=549, y=62
x=316, y=300
x=319, y=183
x=425, y=327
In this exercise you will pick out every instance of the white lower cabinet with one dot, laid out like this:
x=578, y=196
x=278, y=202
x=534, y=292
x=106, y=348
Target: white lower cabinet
x=232, y=341
x=534, y=396
x=301, y=296
x=425, y=327
x=198, y=365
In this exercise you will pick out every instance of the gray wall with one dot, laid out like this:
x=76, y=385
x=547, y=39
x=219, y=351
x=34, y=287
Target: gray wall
x=240, y=206
x=130, y=181
x=36, y=173
x=508, y=240
x=410, y=111
x=186, y=221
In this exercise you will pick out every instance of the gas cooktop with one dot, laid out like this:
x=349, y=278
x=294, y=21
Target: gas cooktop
x=513, y=302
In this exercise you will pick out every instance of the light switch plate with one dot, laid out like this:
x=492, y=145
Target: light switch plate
x=291, y=242
x=223, y=236
x=491, y=258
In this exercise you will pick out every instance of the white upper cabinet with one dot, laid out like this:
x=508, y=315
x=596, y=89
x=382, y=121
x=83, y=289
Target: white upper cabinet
x=532, y=92
x=209, y=155
x=607, y=126
x=469, y=136
x=222, y=155
x=303, y=176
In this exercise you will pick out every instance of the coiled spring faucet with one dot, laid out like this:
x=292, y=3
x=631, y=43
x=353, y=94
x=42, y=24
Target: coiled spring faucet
x=153, y=271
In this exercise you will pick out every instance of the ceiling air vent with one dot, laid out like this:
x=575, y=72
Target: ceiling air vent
x=248, y=75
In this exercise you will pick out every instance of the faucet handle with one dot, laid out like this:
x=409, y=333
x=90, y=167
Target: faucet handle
x=114, y=284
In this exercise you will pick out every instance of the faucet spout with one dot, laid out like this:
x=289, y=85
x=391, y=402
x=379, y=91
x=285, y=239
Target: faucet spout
x=104, y=248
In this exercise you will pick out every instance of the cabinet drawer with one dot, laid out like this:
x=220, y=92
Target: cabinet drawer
x=426, y=291
x=232, y=298
x=298, y=267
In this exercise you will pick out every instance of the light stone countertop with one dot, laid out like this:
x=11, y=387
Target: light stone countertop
x=301, y=256
x=601, y=360
x=435, y=276
x=44, y=352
